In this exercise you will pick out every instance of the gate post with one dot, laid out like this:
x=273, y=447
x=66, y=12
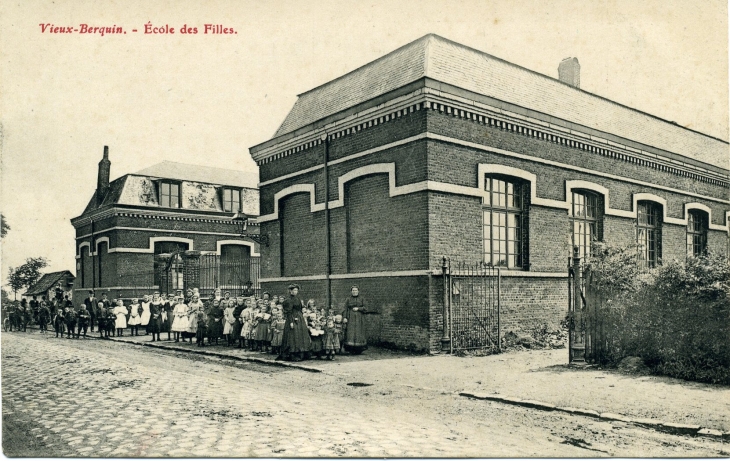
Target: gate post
x=191, y=269
x=446, y=316
x=577, y=335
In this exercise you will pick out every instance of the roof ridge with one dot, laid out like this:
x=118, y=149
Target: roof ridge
x=371, y=63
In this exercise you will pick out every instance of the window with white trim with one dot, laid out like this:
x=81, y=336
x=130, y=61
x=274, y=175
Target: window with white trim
x=649, y=233
x=697, y=223
x=505, y=221
x=231, y=200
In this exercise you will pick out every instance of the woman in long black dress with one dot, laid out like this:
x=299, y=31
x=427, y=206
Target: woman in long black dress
x=295, y=341
x=354, y=311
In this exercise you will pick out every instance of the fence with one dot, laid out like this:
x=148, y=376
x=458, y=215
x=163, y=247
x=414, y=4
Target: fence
x=181, y=271
x=472, y=300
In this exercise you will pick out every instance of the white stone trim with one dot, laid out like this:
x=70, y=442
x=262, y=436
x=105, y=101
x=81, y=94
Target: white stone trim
x=655, y=198
x=102, y=240
x=81, y=245
x=149, y=229
x=482, y=170
x=496, y=168
x=708, y=210
x=151, y=249
x=565, y=166
x=220, y=243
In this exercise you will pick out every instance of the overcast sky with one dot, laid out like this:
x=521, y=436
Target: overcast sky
x=205, y=99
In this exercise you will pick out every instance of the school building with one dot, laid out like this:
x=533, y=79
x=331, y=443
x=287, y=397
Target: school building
x=437, y=149
x=165, y=228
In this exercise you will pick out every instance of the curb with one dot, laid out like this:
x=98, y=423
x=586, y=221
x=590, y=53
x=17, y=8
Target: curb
x=671, y=428
x=219, y=355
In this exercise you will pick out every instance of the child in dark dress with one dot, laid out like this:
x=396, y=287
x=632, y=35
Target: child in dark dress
x=201, y=319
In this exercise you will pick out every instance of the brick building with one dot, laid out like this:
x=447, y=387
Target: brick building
x=166, y=227
x=437, y=149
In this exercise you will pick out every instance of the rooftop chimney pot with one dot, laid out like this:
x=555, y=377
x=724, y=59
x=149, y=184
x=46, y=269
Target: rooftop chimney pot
x=569, y=72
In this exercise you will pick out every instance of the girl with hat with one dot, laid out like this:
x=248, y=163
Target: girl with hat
x=354, y=313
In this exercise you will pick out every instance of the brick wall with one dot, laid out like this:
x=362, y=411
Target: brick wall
x=402, y=304
x=467, y=130
x=718, y=241
x=384, y=233
x=302, y=250
x=529, y=302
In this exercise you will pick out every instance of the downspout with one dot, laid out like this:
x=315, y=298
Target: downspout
x=328, y=268
x=93, y=262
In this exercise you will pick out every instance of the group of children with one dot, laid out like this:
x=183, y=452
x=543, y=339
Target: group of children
x=256, y=324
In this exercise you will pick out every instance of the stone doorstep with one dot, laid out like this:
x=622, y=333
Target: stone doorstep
x=672, y=428
x=270, y=362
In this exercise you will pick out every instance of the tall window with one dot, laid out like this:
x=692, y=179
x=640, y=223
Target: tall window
x=585, y=221
x=102, y=249
x=81, y=268
x=231, y=200
x=505, y=222
x=649, y=233
x=697, y=223
x=170, y=195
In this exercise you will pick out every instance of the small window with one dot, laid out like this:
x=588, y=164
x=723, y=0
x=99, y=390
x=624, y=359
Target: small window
x=169, y=194
x=697, y=223
x=231, y=200
x=505, y=222
x=649, y=233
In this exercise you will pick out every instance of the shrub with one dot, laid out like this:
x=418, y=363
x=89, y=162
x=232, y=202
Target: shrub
x=676, y=317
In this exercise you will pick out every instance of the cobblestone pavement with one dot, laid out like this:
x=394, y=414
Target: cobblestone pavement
x=91, y=398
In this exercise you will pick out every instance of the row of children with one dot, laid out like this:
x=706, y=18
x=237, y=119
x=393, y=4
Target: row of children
x=257, y=324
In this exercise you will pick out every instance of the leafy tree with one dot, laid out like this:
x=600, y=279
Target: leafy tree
x=4, y=227
x=26, y=275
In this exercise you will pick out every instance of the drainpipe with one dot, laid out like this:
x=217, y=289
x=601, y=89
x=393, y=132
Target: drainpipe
x=328, y=268
x=93, y=262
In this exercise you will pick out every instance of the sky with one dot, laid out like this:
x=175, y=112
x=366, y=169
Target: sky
x=206, y=98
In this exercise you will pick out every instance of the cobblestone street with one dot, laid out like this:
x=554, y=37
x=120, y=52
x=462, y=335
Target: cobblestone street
x=93, y=398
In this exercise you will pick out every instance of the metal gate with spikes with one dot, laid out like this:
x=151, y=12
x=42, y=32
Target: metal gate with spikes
x=473, y=298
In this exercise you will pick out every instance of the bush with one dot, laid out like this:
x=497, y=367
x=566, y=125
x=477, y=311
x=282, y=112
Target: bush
x=676, y=317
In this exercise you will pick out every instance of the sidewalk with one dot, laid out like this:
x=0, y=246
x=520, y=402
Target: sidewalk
x=539, y=379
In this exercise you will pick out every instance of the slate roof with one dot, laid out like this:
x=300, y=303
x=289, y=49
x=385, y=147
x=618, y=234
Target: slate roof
x=46, y=282
x=449, y=62
x=199, y=173
x=179, y=171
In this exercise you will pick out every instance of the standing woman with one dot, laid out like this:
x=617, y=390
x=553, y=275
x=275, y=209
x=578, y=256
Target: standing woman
x=295, y=341
x=354, y=311
x=145, y=316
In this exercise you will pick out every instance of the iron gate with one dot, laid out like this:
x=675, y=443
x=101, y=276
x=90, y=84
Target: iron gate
x=473, y=299
x=208, y=272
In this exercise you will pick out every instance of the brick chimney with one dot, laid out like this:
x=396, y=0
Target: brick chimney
x=102, y=183
x=569, y=72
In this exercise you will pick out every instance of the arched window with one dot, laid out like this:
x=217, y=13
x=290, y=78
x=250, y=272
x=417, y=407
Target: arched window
x=697, y=223
x=505, y=221
x=587, y=220
x=649, y=233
